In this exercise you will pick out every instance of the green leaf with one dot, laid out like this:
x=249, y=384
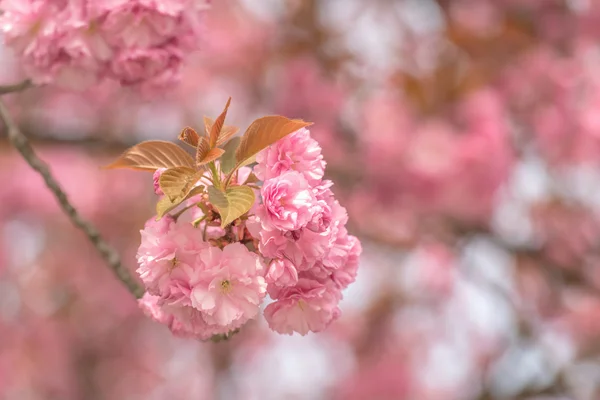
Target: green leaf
x=177, y=182
x=165, y=204
x=152, y=155
x=262, y=133
x=231, y=204
x=228, y=159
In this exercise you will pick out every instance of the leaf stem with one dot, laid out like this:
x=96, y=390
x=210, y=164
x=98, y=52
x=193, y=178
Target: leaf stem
x=184, y=209
x=20, y=142
x=230, y=175
x=215, y=174
x=204, y=230
x=198, y=221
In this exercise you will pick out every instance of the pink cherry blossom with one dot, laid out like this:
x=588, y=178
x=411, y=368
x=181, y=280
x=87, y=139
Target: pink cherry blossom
x=80, y=59
x=142, y=24
x=26, y=22
x=346, y=273
x=155, y=179
x=228, y=285
x=282, y=273
x=210, y=291
x=167, y=246
x=78, y=44
x=304, y=246
x=52, y=43
x=183, y=321
x=307, y=307
x=288, y=202
x=154, y=67
x=297, y=152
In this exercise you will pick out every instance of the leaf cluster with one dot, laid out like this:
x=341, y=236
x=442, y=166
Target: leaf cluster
x=184, y=172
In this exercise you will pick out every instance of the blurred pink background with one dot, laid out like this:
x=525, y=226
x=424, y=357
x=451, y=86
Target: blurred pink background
x=463, y=136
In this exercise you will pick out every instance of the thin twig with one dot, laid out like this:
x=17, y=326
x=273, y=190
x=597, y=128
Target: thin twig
x=17, y=87
x=204, y=231
x=184, y=209
x=20, y=142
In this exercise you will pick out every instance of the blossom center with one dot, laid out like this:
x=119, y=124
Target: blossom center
x=301, y=304
x=226, y=286
x=174, y=263
x=36, y=27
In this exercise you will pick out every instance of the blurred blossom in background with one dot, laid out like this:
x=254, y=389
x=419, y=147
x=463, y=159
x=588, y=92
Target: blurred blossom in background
x=463, y=136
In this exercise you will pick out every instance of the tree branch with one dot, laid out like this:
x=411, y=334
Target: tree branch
x=20, y=142
x=17, y=87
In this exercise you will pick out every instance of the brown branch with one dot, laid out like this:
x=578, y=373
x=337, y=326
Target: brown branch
x=20, y=142
x=95, y=144
x=17, y=87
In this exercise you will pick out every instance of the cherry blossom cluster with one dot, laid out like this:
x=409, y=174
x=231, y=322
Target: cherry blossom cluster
x=199, y=290
x=301, y=229
x=205, y=281
x=78, y=43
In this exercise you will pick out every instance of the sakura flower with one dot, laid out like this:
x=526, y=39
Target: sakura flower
x=309, y=244
x=157, y=66
x=167, y=245
x=149, y=304
x=80, y=59
x=25, y=23
x=142, y=24
x=79, y=44
x=296, y=152
x=156, y=181
x=339, y=265
x=288, y=202
x=346, y=274
x=307, y=307
x=282, y=273
x=183, y=321
x=228, y=285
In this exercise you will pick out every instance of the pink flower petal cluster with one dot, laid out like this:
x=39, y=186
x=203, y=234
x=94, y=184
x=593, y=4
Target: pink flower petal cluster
x=79, y=43
x=156, y=181
x=296, y=152
x=301, y=227
x=197, y=289
x=289, y=202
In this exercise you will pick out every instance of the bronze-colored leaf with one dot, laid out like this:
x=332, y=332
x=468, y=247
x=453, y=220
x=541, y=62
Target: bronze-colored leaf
x=165, y=204
x=228, y=159
x=231, y=204
x=189, y=136
x=251, y=179
x=177, y=182
x=263, y=132
x=208, y=123
x=152, y=155
x=215, y=130
x=212, y=155
x=202, y=150
x=227, y=131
